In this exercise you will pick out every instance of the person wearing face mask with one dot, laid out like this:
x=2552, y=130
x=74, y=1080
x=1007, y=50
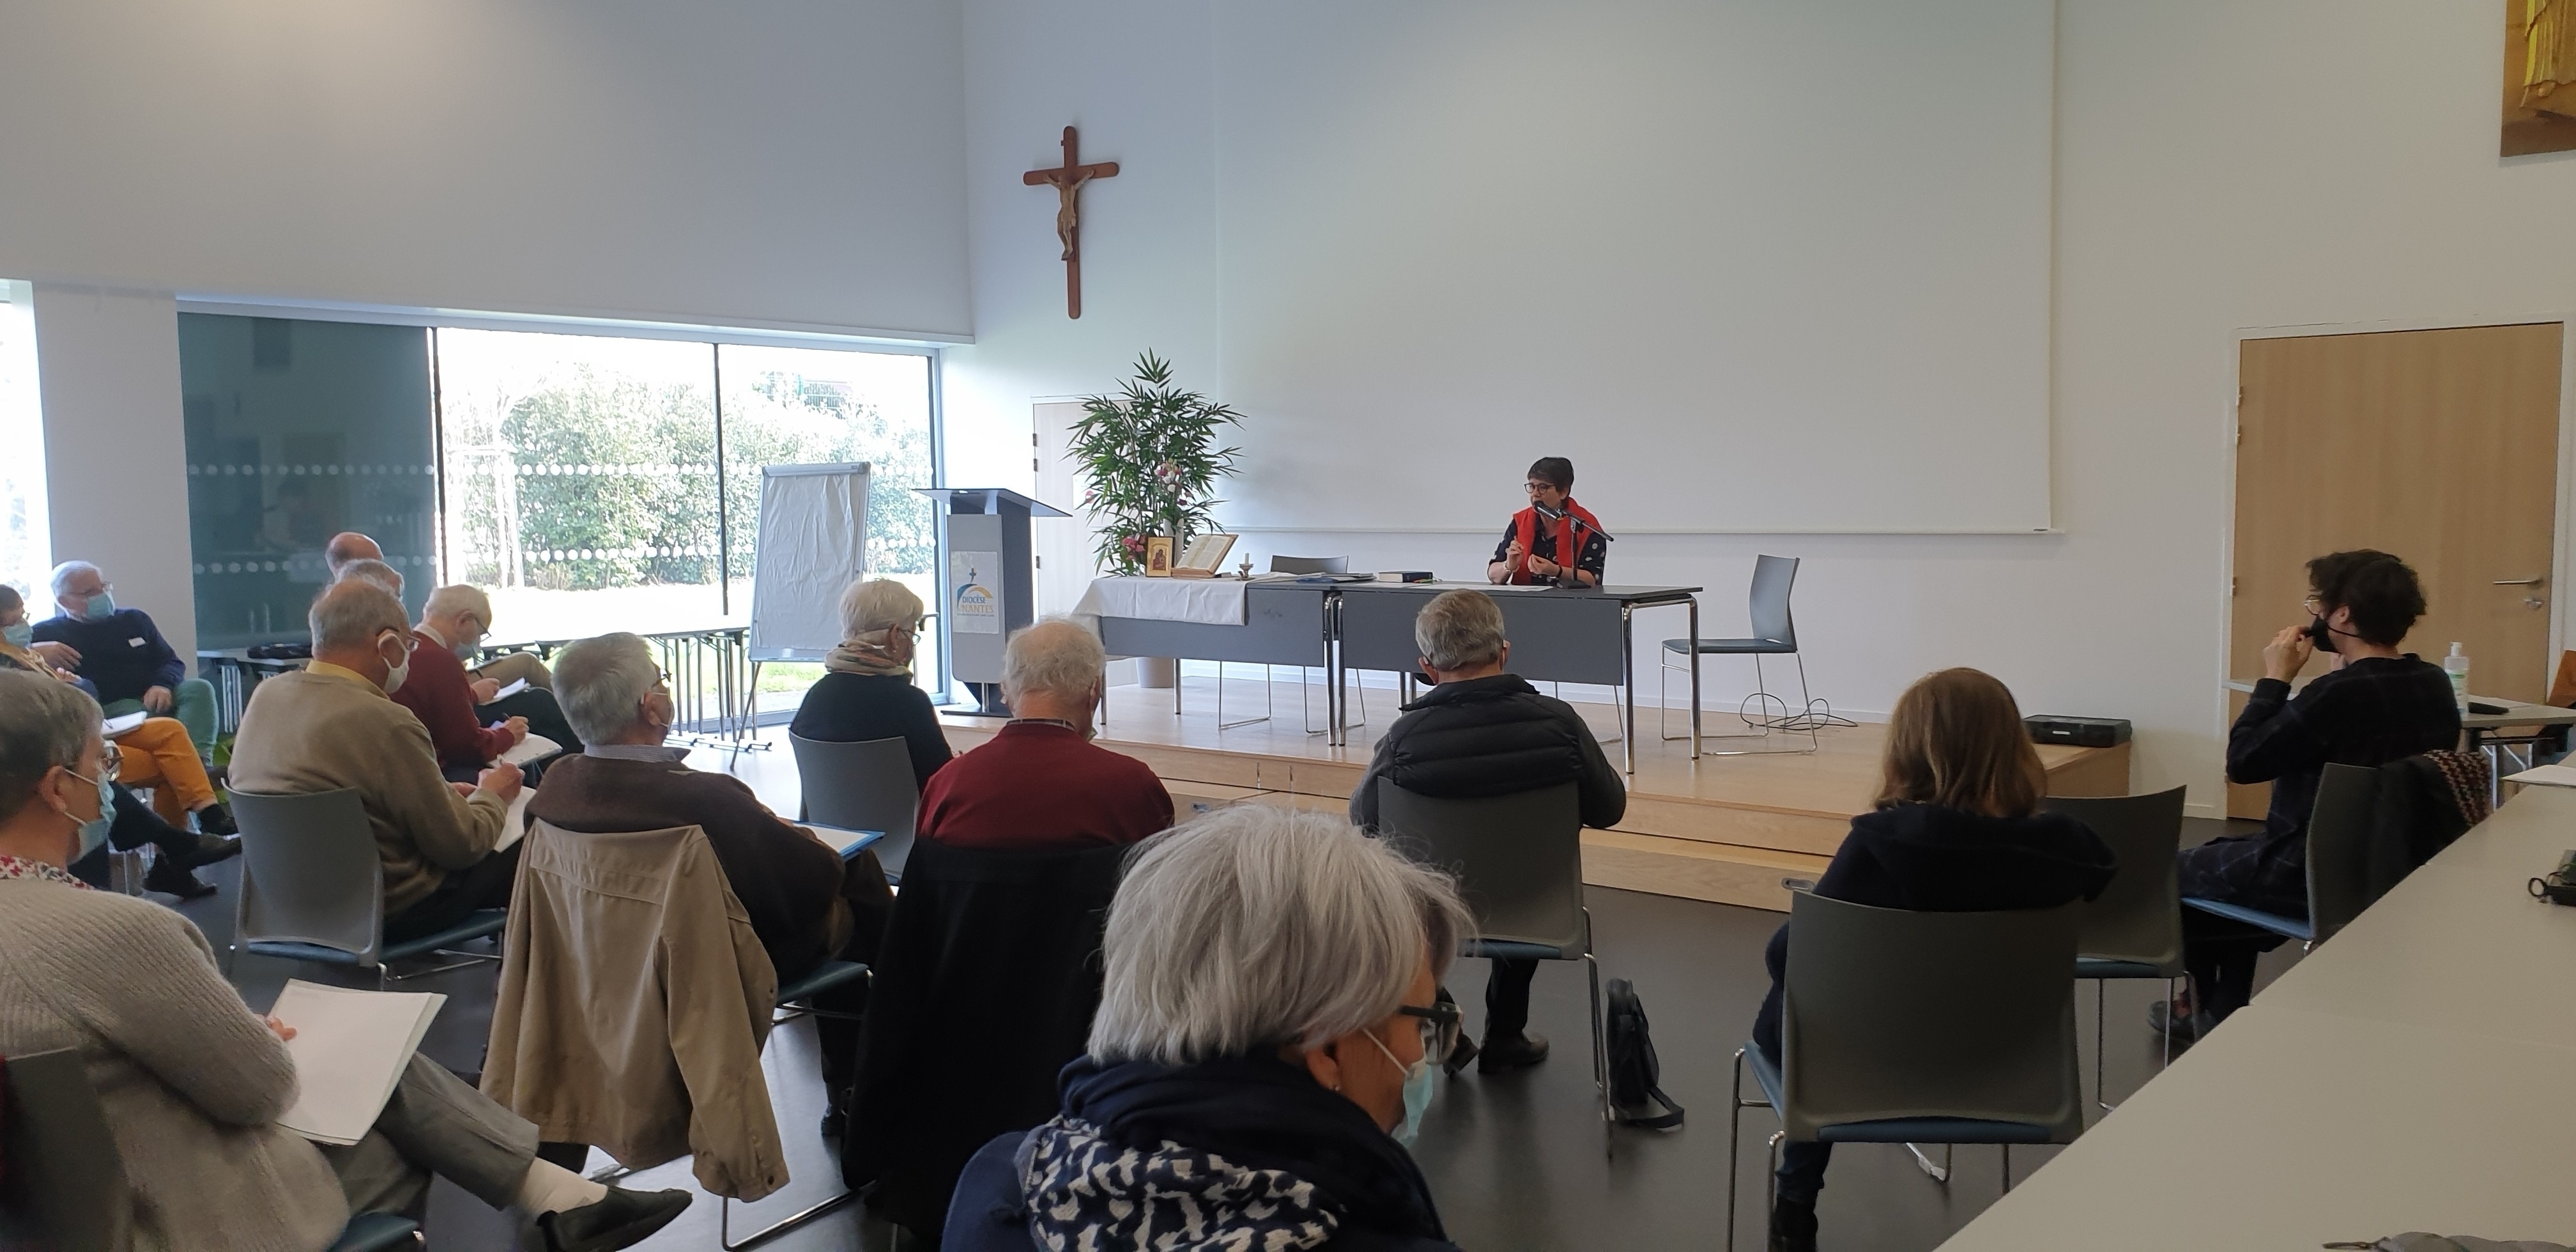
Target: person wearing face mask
x=466, y=729
x=332, y=725
x=2373, y=705
x=1261, y=1060
x=806, y=904
x=190, y=1081
x=129, y=666
x=867, y=690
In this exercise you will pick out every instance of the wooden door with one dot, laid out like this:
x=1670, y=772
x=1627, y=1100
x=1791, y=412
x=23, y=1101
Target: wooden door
x=2438, y=445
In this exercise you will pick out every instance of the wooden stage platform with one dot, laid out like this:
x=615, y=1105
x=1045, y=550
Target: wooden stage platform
x=1726, y=828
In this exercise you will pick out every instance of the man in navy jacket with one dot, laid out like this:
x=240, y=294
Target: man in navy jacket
x=123, y=655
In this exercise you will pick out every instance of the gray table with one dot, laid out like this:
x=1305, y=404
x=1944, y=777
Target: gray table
x=1558, y=635
x=1284, y=624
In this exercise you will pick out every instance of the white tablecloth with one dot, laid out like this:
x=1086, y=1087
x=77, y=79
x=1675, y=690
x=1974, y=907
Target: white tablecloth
x=1208, y=601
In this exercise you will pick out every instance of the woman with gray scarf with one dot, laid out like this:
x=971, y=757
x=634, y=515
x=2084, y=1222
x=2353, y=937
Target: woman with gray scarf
x=868, y=691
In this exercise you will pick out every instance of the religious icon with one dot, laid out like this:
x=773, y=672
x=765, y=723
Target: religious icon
x=1067, y=179
x=1158, y=556
x=2539, y=77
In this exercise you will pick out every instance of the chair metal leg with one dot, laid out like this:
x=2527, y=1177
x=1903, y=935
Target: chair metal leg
x=1600, y=1044
x=1771, y=1192
x=1940, y=1173
x=1734, y=1142
x=724, y=1222
x=2007, y=1168
x=2101, y=1093
x=2169, y=999
x=1221, y=723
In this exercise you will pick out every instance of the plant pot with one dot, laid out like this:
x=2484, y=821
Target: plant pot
x=1156, y=671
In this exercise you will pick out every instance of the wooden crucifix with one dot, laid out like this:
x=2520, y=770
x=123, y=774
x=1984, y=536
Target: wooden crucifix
x=1067, y=179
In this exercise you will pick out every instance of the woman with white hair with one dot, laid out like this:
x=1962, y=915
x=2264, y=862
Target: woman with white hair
x=1262, y=1055
x=867, y=690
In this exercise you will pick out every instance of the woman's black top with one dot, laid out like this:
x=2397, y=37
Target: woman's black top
x=855, y=708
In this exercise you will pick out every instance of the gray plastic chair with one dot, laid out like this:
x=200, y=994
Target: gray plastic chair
x=1912, y=1027
x=1310, y=565
x=2339, y=832
x=65, y=1187
x=2134, y=928
x=1519, y=862
x=1774, y=633
x=313, y=889
x=865, y=786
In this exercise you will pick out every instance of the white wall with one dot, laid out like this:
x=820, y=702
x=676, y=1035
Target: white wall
x=789, y=164
x=116, y=469
x=2221, y=165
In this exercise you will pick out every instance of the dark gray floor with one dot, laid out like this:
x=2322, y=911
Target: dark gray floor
x=1515, y=1161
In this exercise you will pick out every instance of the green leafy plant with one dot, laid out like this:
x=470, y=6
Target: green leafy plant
x=1150, y=456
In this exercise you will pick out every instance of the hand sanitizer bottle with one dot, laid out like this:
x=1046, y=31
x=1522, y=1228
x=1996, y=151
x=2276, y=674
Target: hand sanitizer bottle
x=2457, y=666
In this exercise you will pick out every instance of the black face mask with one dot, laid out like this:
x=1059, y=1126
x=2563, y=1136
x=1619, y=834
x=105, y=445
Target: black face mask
x=2321, y=635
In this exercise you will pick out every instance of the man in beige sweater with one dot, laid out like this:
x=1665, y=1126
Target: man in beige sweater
x=331, y=726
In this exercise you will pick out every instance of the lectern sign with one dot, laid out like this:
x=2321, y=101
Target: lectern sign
x=974, y=606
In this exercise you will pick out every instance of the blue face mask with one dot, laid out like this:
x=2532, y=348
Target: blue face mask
x=94, y=831
x=101, y=607
x=1417, y=1094
x=19, y=636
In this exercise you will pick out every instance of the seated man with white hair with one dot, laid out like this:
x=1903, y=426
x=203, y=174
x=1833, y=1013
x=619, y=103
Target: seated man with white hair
x=1260, y=1061
x=867, y=692
x=806, y=905
x=1039, y=783
x=464, y=724
x=121, y=653
x=368, y=569
x=1484, y=731
x=331, y=726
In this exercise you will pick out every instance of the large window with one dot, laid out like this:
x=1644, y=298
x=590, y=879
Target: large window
x=25, y=550
x=589, y=483
x=582, y=483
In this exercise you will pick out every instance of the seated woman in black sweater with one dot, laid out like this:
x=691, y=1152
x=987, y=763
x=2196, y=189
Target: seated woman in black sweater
x=868, y=692
x=1956, y=830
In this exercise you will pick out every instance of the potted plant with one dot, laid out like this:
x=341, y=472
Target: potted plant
x=1151, y=459
x=1150, y=456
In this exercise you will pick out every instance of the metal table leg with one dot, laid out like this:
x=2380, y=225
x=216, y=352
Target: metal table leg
x=1628, y=684
x=1694, y=637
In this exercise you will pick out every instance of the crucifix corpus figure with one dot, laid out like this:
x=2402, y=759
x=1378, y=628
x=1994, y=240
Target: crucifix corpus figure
x=1067, y=179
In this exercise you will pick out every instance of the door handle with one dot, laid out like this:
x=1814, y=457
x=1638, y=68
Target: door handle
x=2519, y=582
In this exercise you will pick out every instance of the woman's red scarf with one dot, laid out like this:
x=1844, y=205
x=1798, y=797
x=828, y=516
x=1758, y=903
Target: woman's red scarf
x=1526, y=524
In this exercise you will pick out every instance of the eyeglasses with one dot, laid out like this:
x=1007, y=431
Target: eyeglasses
x=2313, y=607
x=1439, y=1023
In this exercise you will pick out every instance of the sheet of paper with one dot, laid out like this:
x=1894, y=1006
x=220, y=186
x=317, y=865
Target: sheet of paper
x=349, y=1049
x=516, y=686
x=516, y=828
x=2545, y=776
x=532, y=748
x=115, y=726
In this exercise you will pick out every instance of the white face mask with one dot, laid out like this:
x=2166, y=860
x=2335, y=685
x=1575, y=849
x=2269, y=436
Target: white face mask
x=394, y=675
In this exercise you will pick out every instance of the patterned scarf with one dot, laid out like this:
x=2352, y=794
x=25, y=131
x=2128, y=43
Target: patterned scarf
x=2466, y=775
x=857, y=656
x=1087, y=1194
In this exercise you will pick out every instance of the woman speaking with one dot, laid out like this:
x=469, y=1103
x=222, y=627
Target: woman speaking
x=1535, y=544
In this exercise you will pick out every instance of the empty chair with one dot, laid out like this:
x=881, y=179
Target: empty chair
x=1901, y=1027
x=1774, y=634
x=862, y=787
x=1310, y=565
x=313, y=889
x=2134, y=928
x=1519, y=862
x=65, y=1187
x=985, y=989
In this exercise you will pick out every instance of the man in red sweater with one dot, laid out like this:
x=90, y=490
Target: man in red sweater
x=1040, y=783
x=438, y=692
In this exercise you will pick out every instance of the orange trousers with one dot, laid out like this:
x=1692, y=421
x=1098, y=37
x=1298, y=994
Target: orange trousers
x=158, y=754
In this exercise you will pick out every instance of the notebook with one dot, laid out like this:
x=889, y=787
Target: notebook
x=516, y=686
x=349, y=1049
x=115, y=726
x=533, y=748
x=516, y=827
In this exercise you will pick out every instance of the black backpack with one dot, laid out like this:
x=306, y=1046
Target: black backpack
x=1634, y=1072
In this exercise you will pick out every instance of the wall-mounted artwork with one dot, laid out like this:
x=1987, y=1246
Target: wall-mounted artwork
x=2539, y=76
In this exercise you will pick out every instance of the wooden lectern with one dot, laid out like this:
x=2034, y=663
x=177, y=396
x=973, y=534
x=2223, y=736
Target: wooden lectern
x=988, y=591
